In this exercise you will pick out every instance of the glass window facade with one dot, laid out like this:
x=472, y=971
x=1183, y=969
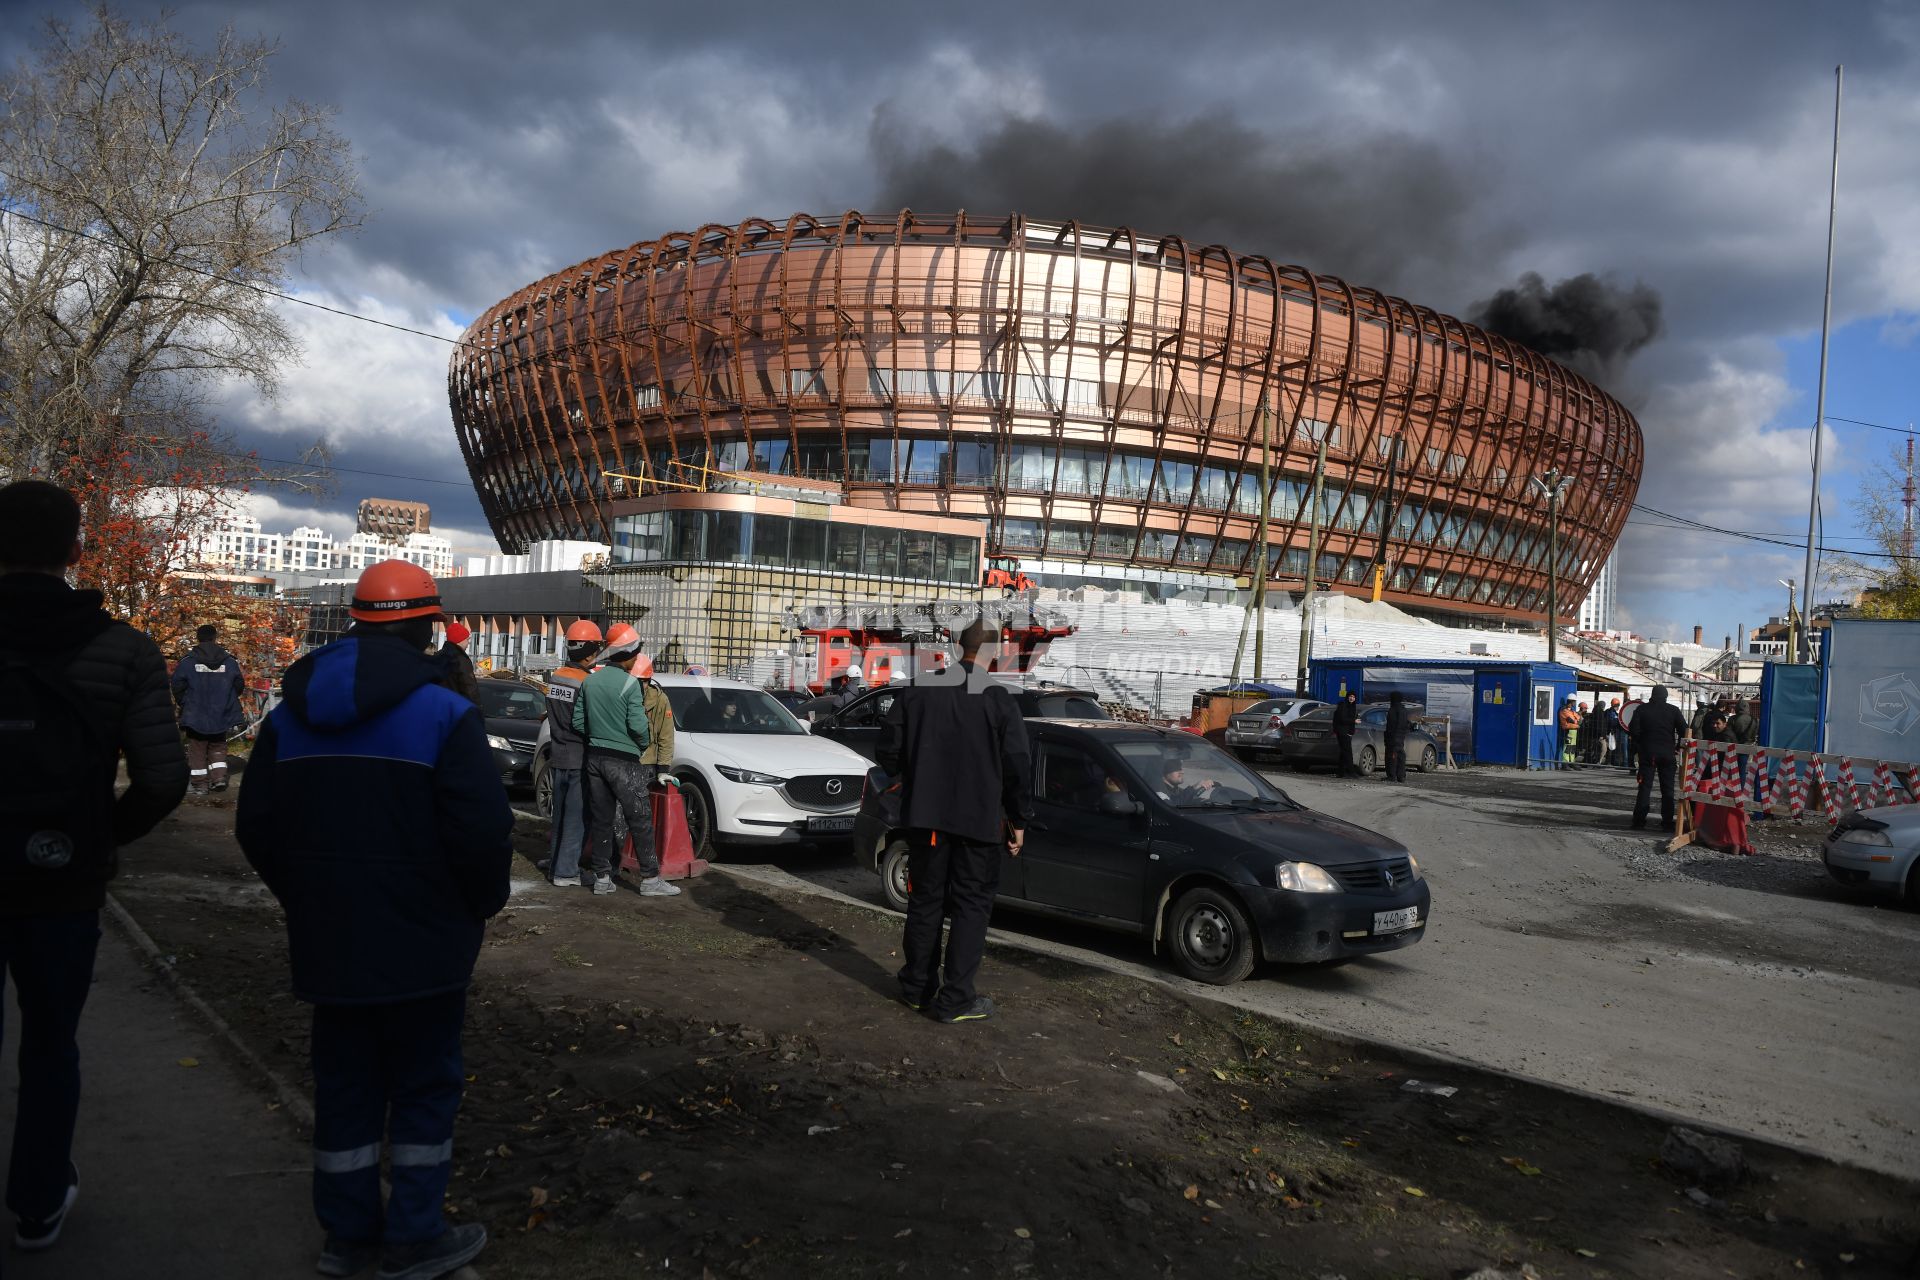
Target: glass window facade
x=795, y=542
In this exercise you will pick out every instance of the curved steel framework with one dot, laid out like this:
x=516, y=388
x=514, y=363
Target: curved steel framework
x=1094, y=395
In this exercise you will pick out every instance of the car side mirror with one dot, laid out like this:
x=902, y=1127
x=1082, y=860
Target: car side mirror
x=1118, y=804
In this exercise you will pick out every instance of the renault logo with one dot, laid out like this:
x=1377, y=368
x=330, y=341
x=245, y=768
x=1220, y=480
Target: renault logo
x=1389, y=875
x=835, y=786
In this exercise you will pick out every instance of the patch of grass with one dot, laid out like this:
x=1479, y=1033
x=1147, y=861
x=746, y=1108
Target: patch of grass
x=565, y=955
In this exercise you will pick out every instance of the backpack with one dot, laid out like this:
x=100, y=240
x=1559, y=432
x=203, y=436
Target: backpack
x=56, y=786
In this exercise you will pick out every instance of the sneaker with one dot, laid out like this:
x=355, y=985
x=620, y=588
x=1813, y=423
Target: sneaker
x=979, y=1011
x=604, y=884
x=656, y=887
x=456, y=1247
x=346, y=1257
x=544, y=866
x=40, y=1233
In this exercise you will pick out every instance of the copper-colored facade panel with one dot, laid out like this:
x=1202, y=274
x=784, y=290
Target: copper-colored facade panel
x=1091, y=393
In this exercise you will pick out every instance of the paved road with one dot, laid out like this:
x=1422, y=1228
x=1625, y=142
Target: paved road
x=1748, y=993
x=184, y=1172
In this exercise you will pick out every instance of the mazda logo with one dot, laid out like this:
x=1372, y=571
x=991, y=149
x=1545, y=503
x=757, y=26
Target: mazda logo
x=835, y=786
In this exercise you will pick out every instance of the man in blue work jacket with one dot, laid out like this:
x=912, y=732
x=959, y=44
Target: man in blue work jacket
x=372, y=809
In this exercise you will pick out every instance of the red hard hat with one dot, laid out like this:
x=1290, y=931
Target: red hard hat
x=583, y=630
x=393, y=591
x=643, y=667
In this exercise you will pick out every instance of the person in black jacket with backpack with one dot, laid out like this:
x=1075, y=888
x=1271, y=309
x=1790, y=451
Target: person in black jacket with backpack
x=372, y=809
x=77, y=691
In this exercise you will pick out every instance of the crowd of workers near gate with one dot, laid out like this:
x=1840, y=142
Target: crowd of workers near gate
x=1597, y=733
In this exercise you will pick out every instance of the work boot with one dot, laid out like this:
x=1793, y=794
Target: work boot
x=979, y=1011
x=456, y=1247
x=33, y=1234
x=346, y=1257
x=656, y=887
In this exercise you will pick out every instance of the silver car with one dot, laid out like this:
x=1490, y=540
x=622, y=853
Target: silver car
x=1879, y=850
x=1260, y=727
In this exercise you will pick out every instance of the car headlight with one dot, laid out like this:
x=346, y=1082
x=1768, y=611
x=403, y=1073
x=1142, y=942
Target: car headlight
x=749, y=776
x=497, y=742
x=1862, y=835
x=1304, y=877
x=1414, y=864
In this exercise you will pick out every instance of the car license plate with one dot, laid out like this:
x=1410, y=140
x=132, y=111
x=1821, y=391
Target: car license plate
x=1308, y=734
x=1396, y=921
x=830, y=824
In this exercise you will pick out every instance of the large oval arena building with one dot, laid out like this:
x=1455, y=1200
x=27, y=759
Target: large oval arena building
x=1091, y=401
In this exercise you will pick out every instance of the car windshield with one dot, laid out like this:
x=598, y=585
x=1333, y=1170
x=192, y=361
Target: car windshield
x=1195, y=774
x=1322, y=712
x=511, y=700
x=721, y=710
x=1271, y=707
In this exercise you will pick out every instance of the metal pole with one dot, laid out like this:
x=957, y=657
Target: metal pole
x=1313, y=556
x=1260, y=558
x=1386, y=520
x=1553, y=573
x=1820, y=398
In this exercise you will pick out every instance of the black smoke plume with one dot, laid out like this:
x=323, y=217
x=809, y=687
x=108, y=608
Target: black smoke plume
x=1588, y=324
x=1382, y=210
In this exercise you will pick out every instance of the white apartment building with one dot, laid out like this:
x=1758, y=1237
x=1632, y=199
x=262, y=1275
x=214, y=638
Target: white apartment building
x=428, y=550
x=1596, y=611
x=306, y=550
x=236, y=544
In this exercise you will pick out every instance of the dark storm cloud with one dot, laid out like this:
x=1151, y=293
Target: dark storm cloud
x=1382, y=209
x=1588, y=324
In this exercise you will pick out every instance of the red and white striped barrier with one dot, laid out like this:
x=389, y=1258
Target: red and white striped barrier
x=1777, y=781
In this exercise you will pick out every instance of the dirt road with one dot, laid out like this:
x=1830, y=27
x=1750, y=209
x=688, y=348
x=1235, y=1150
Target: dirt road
x=723, y=1084
x=1749, y=992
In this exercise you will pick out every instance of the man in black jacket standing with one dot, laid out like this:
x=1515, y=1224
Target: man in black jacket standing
x=1657, y=730
x=77, y=691
x=1398, y=722
x=207, y=684
x=956, y=741
x=372, y=809
x=1346, y=714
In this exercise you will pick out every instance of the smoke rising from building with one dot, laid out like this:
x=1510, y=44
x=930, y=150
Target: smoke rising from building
x=1383, y=210
x=1586, y=323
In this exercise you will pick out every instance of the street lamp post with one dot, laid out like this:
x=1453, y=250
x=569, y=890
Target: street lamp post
x=1553, y=484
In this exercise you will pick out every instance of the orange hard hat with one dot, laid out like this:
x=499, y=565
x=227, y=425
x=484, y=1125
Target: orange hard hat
x=583, y=630
x=643, y=667
x=393, y=591
x=621, y=641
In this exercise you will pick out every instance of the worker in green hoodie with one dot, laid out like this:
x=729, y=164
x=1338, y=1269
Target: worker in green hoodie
x=611, y=714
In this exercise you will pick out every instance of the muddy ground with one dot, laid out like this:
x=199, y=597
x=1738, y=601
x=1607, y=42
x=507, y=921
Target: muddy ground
x=722, y=1084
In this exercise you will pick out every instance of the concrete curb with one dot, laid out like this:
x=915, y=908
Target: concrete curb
x=294, y=1102
x=1335, y=1035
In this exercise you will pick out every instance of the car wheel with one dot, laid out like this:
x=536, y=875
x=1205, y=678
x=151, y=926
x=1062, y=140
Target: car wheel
x=699, y=818
x=1209, y=937
x=1429, y=760
x=1367, y=760
x=542, y=787
x=893, y=875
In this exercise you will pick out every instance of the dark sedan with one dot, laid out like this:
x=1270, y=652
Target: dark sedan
x=1309, y=741
x=857, y=724
x=513, y=712
x=1160, y=833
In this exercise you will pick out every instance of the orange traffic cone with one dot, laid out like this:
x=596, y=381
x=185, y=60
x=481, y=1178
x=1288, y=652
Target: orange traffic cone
x=670, y=836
